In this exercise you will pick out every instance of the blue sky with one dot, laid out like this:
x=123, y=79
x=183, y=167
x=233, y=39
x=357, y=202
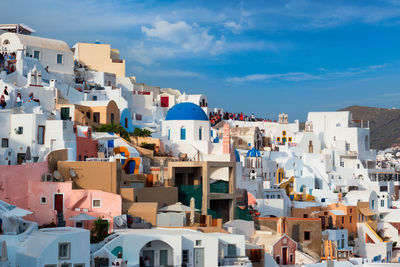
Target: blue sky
x=264, y=57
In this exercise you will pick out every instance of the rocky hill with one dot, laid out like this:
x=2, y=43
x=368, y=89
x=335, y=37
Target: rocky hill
x=384, y=124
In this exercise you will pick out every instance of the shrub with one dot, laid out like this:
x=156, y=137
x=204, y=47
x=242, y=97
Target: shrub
x=114, y=128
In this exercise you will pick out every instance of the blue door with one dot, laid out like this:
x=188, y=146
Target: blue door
x=131, y=166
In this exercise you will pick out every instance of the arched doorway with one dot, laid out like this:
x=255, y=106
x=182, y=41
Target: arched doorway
x=157, y=253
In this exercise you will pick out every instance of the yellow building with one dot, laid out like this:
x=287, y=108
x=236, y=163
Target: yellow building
x=99, y=57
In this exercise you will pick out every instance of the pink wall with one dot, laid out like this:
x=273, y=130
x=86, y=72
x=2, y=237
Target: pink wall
x=85, y=147
x=75, y=201
x=14, y=181
x=22, y=185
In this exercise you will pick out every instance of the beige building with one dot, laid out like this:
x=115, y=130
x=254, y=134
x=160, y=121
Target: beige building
x=201, y=173
x=91, y=113
x=99, y=57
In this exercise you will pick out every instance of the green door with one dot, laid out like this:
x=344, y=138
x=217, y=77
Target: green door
x=163, y=257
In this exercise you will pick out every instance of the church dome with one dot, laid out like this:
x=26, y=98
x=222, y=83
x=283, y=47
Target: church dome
x=253, y=153
x=186, y=111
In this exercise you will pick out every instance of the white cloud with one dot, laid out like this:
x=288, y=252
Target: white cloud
x=192, y=38
x=303, y=76
x=167, y=73
x=291, y=76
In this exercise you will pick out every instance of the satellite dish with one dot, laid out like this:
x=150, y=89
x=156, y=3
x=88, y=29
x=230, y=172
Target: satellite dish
x=57, y=175
x=119, y=221
x=72, y=173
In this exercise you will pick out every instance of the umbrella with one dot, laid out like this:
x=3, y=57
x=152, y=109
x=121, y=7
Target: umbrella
x=17, y=212
x=106, y=137
x=28, y=153
x=178, y=207
x=4, y=254
x=82, y=217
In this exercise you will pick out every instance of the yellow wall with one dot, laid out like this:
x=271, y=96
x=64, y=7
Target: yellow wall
x=91, y=175
x=99, y=57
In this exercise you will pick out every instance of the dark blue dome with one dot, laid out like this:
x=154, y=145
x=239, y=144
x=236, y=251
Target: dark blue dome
x=186, y=111
x=253, y=153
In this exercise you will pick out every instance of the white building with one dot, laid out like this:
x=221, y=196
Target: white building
x=54, y=54
x=176, y=247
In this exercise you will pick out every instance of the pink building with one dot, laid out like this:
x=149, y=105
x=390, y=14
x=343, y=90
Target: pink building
x=86, y=147
x=22, y=185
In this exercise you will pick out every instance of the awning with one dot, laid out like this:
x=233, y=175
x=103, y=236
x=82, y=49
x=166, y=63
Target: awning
x=366, y=211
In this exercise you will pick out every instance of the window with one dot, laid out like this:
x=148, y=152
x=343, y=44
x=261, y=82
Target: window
x=36, y=54
x=183, y=133
x=112, y=118
x=231, y=250
x=290, y=139
x=19, y=130
x=278, y=139
x=148, y=244
x=6, y=42
x=96, y=117
x=351, y=219
x=343, y=220
x=200, y=133
x=169, y=134
x=60, y=59
x=307, y=235
x=278, y=259
x=79, y=265
x=50, y=265
x=40, y=135
x=358, y=165
x=88, y=115
x=94, y=98
x=79, y=224
x=65, y=114
x=351, y=210
x=4, y=142
x=96, y=203
x=291, y=258
x=283, y=133
x=341, y=164
x=126, y=122
x=80, y=158
x=65, y=265
x=305, y=215
x=347, y=146
x=43, y=200
x=64, y=251
x=382, y=203
x=198, y=242
x=373, y=204
x=185, y=256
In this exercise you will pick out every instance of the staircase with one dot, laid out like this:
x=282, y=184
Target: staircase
x=60, y=219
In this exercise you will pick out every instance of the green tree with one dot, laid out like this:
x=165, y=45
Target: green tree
x=114, y=128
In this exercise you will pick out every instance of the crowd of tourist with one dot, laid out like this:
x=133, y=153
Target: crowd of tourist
x=7, y=62
x=216, y=117
x=18, y=99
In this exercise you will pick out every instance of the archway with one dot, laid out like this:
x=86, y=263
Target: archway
x=158, y=253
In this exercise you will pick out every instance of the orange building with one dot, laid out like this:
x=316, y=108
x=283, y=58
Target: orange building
x=336, y=215
x=90, y=113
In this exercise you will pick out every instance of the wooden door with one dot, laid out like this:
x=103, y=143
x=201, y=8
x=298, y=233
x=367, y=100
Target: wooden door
x=59, y=203
x=284, y=255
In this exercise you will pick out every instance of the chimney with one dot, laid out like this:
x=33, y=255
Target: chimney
x=281, y=228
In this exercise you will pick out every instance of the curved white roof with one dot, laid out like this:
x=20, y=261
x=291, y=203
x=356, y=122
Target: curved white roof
x=39, y=42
